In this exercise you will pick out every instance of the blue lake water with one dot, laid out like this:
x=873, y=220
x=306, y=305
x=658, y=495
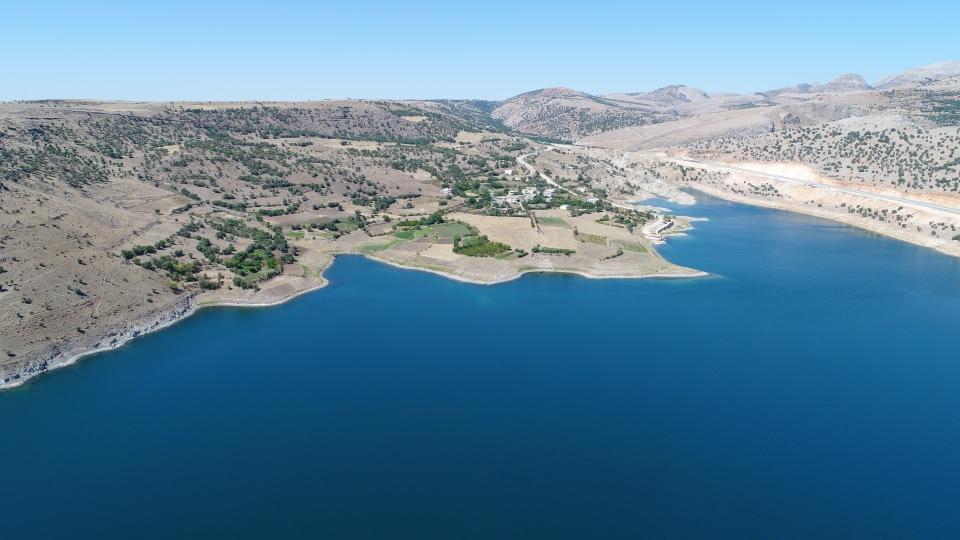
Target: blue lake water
x=809, y=388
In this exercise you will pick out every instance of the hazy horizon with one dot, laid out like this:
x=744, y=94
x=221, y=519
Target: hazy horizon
x=429, y=50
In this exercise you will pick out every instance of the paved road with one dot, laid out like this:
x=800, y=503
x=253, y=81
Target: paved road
x=868, y=194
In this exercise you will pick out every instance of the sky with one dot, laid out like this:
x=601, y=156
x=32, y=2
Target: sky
x=290, y=50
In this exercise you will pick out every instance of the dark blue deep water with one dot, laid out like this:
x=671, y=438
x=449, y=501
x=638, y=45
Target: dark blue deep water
x=809, y=389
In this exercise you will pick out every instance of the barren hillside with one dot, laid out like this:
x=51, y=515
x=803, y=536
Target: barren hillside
x=564, y=114
x=118, y=218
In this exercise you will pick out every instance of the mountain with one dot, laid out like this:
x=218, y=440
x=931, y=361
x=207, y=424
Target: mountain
x=849, y=82
x=565, y=114
x=799, y=88
x=673, y=94
x=922, y=75
x=569, y=115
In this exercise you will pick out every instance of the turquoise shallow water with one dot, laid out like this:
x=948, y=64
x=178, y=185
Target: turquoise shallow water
x=809, y=388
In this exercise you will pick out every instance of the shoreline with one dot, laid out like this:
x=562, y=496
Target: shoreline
x=521, y=273
x=944, y=248
x=165, y=320
x=227, y=303
x=192, y=303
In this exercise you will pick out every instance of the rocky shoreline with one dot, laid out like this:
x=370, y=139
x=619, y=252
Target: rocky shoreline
x=56, y=357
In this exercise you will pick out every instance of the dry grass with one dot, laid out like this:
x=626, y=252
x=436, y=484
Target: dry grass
x=594, y=239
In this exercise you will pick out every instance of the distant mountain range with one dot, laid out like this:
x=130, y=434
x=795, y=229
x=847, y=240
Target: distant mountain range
x=567, y=114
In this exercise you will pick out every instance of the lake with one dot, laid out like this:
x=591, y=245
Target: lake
x=810, y=387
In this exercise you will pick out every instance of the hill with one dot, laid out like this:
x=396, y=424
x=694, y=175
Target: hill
x=565, y=114
x=119, y=218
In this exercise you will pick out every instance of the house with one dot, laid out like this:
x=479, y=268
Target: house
x=510, y=199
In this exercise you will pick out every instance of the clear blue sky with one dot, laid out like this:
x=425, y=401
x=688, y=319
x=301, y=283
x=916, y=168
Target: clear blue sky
x=355, y=48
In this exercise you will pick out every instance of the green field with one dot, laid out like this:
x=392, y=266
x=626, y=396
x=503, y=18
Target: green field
x=636, y=248
x=411, y=234
x=374, y=248
x=296, y=235
x=550, y=221
x=446, y=231
x=346, y=226
x=441, y=231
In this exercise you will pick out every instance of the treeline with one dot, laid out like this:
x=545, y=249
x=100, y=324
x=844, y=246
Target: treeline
x=552, y=250
x=433, y=219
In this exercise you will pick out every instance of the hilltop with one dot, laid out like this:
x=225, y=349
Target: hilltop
x=565, y=114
